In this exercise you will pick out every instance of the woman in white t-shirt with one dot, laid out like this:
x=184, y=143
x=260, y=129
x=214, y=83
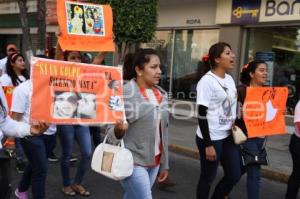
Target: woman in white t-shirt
x=9, y=127
x=294, y=180
x=16, y=71
x=36, y=148
x=217, y=100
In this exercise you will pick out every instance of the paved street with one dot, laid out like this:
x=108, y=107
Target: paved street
x=182, y=133
x=184, y=172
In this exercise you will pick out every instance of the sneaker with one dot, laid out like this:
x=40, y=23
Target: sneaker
x=73, y=159
x=20, y=167
x=21, y=195
x=53, y=158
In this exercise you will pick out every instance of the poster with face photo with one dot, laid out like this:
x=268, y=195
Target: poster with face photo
x=85, y=26
x=75, y=93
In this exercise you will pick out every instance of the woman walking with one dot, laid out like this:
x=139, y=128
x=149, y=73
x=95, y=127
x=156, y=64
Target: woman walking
x=253, y=75
x=216, y=100
x=36, y=148
x=294, y=180
x=66, y=134
x=9, y=127
x=16, y=73
x=146, y=108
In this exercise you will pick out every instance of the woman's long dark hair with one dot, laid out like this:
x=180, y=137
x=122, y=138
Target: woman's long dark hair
x=142, y=57
x=245, y=77
x=10, y=71
x=128, y=68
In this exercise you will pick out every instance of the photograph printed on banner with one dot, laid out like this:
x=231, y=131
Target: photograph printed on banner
x=85, y=19
x=67, y=105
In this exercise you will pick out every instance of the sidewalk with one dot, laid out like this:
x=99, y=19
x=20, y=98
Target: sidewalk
x=182, y=140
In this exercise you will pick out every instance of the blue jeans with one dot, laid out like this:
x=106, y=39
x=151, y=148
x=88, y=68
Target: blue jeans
x=229, y=155
x=36, y=149
x=253, y=171
x=139, y=184
x=67, y=133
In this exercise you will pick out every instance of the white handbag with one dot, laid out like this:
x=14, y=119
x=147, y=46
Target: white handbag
x=239, y=136
x=114, y=162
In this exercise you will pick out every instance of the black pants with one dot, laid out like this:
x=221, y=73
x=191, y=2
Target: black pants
x=228, y=154
x=5, y=179
x=294, y=180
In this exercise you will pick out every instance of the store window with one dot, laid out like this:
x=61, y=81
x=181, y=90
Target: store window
x=190, y=47
x=280, y=48
x=184, y=58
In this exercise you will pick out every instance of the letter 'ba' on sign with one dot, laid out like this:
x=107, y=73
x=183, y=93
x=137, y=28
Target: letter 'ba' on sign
x=280, y=10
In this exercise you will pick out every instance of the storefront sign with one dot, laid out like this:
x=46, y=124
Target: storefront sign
x=256, y=11
x=75, y=93
x=193, y=21
x=280, y=10
x=269, y=58
x=245, y=12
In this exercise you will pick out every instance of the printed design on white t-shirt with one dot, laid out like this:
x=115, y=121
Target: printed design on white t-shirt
x=227, y=104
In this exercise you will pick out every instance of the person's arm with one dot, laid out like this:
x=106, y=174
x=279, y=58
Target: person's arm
x=297, y=116
x=99, y=58
x=14, y=128
x=204, y=94
x=203, y=125
x=297, y=125
x=241, y=91
x=58, y=53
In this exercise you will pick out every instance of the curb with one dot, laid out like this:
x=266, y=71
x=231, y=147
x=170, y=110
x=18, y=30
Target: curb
x=266, y=172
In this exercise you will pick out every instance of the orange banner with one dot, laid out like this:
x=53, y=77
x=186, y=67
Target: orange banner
x=8, y=91
x=264, y=111
x=85, y=26
x=75, y=93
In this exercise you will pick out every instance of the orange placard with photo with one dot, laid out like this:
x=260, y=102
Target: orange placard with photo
x=8, y=91
x=85, y=26
x=75, y=93
x=264, y=111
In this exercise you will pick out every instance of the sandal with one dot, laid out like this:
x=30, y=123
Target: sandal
x=68, y=191
x=80, y=190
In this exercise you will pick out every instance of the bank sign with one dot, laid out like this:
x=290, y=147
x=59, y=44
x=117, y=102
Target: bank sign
x=256, y=11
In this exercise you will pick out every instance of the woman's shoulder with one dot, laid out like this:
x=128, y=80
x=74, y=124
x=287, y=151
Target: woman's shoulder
x=228, y=77
x=206, y=80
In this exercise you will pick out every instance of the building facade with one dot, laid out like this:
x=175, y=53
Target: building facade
x=260, y=29
x=257, y=29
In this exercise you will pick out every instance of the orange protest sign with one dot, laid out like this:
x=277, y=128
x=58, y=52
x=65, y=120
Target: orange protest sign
x=8, y=91
x=263, y=111
x=75, y=93
x=85, y=26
